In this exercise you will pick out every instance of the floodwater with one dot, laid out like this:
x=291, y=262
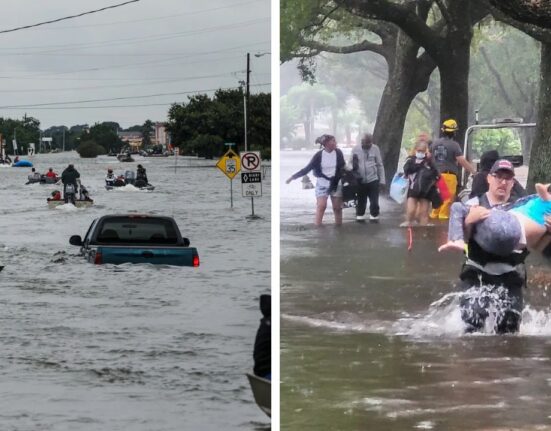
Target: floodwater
x=371, y=337
x=130, y=347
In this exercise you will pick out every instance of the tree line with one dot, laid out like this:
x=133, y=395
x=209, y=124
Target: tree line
x=414, y=40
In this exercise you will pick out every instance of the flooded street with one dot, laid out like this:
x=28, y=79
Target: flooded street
x=371, y=335
x=130, y=347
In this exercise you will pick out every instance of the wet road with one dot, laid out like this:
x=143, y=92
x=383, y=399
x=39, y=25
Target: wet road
x=371, y=337
x=130, y=347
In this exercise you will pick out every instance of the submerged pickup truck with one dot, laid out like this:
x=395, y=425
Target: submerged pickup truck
x=136, y=238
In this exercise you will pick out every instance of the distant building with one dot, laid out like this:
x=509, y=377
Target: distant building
x=132, y=139
x=161, y=135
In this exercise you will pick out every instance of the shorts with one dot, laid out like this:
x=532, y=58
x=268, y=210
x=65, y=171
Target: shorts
x=324, y=191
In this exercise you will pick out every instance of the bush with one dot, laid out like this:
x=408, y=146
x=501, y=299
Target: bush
x=90, y=149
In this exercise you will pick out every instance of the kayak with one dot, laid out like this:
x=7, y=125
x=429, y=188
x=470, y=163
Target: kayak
x=262, y=392
x=79, y=203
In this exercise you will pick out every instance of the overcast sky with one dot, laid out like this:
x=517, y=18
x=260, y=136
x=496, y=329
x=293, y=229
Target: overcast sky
x=168, y=47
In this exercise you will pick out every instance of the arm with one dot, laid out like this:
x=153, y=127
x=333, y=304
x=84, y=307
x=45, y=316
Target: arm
x=304, y=170
x=465, y=164
x=410, y=167
x=380, y=167
x=476, y=213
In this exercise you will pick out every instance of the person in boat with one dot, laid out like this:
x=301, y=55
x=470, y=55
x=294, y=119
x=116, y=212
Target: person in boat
x=120, y=181
x=16, y=159
x=141, y=174
x=262, y=353
x=56, y=195
x=34, y=176
x=51, y=173
x=492, y=270
x=84, y=194
x=69, y=177
x=110, y=178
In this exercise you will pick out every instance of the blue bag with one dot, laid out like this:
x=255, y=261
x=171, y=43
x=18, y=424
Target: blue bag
x=399, y=188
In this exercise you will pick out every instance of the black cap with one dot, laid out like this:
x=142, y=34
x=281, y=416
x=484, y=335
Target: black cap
x=502, y=165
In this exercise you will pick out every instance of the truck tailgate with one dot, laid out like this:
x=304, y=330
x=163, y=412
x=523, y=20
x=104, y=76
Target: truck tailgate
x=181, y=256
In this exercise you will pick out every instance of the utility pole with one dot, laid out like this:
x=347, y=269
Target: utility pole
x=246, y=101
x=63, y=138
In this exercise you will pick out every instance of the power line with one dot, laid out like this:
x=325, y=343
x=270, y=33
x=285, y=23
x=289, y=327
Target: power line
x=157, y=37
x=68, y=17
x=125, y=65
x=39, y=107
x=106, y=100
x=155, y=18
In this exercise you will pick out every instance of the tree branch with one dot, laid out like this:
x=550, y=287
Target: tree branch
x=532, y=12
x=403, y=17
x=538, y=33
x=324, y=18
x=357, y=47
x=498, y=79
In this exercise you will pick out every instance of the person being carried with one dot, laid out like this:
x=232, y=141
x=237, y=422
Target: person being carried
x=422, y=176
x=327, y=166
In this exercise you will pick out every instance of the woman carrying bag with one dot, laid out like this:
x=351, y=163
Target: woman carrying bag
x=422, y=191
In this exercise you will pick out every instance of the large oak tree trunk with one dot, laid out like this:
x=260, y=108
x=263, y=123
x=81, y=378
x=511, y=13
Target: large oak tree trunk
x=540, y=155
x=407, y=76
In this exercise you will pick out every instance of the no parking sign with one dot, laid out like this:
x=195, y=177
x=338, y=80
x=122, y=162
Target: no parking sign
x=251, y=178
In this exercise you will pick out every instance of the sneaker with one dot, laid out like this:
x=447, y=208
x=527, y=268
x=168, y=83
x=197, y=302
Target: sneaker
x=405, y=224
x=374, y=219
x=361, y=217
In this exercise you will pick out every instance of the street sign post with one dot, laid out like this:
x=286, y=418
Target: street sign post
x=230, y=165
x=251, y=177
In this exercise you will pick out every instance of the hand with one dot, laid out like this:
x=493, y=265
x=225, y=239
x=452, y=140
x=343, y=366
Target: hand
x=548, y=224
x=383, y=189
x=476, y=214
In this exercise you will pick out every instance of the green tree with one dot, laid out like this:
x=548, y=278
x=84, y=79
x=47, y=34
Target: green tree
x=104, y=135
x=203, y=124
x=147, y=131
x=27, y=131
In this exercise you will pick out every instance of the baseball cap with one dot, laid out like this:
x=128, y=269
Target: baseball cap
x=502, y=165
x=499, y=233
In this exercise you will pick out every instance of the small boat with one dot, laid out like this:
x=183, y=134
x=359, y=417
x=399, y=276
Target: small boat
x=22, y=164
x=79, y=203
x=146, y=187
x=43, y=180
x=125, y=158
x=262, y=392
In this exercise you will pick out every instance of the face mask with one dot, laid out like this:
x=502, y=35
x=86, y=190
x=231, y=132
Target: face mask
x=420, y=155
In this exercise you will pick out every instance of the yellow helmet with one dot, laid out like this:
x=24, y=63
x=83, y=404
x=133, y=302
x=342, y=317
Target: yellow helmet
x=449, y=125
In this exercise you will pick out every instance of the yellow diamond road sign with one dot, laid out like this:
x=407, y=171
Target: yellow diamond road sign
x=230, y=164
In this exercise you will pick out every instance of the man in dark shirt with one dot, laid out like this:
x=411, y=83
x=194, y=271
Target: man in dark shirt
x=447, y=155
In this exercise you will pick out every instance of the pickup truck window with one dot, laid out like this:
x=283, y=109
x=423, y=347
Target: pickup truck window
x=126, y=230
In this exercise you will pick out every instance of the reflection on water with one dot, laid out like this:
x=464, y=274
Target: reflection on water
x=372, y=336
x=130, y=347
